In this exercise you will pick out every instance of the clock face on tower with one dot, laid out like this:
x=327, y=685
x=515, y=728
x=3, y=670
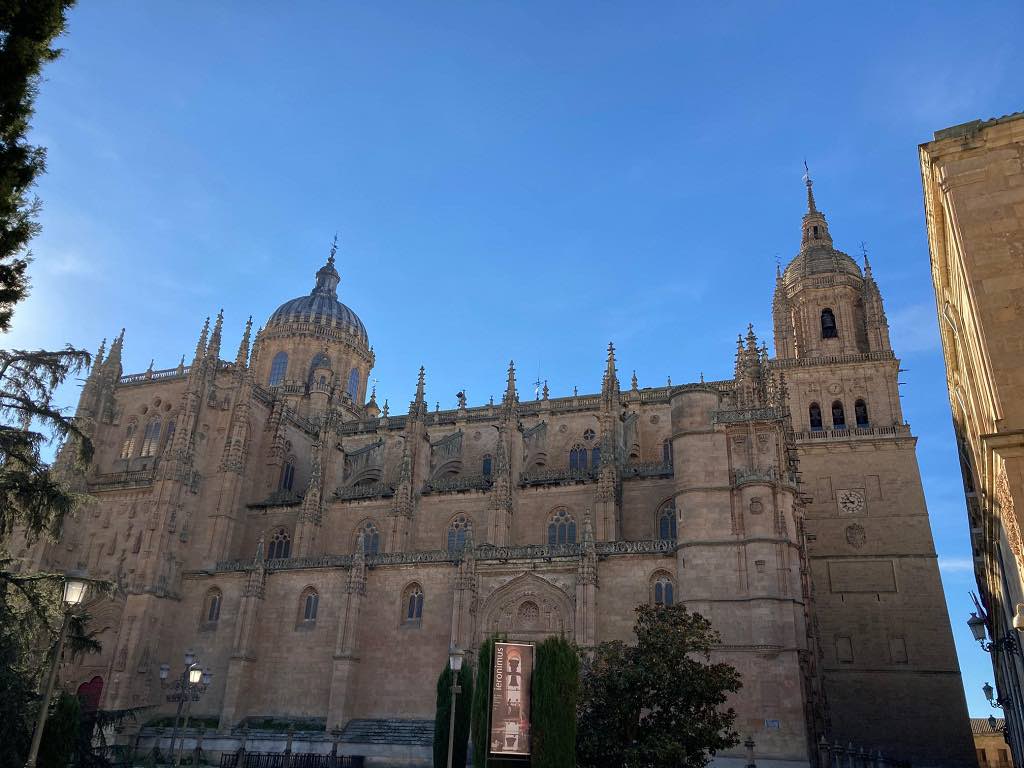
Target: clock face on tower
x=850, y=501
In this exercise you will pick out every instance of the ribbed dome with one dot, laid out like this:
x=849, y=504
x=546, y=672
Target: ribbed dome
x=321, y=307
x=819, y=259
x=817, y=254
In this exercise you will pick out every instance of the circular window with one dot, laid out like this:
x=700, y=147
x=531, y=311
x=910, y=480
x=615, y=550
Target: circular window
x=588, y=435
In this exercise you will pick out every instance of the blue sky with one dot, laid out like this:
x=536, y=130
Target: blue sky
x=508, y=180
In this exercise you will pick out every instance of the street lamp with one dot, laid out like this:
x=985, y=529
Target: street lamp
x=749, y=744
x=188, y=686
x=1008, y=643
x=455, y=655
x=74, y=592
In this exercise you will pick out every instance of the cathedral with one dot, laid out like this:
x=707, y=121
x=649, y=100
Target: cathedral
x=320, y=553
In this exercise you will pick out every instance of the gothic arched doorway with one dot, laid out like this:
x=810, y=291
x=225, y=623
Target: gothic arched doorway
x=528, y=609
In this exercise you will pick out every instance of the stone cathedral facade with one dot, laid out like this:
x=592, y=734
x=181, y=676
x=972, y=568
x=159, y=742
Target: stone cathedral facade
x=320, y=553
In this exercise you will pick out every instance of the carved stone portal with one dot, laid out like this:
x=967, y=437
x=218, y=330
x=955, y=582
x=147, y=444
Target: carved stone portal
x=528, y=608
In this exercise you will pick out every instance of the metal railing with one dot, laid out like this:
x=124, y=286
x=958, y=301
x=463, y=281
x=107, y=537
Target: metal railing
x=243, y=759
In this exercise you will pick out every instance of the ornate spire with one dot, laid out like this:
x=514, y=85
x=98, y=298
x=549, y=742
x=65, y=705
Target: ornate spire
x=201, y=345
x=610, y=381
x=815, y=228
x=510, y=387
x=811, y=207
x=544, y=392
x=254, y=355
x=633, y=383
x=97, y=359
x=751, y=339
x=327, y=277
x=418, y=406
x=242, y=358
x=114, y=358
x=213, y=351
x=867, y=264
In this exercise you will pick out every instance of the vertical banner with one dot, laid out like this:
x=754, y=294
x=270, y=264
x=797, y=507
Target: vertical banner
x=510, y=705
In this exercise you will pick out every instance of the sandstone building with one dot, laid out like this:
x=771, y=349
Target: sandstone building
x=320, y=553
x=973, y=176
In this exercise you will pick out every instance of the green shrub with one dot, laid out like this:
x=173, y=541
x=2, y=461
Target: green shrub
x=556, y=682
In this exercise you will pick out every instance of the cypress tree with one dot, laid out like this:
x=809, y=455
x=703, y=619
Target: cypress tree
x=556, y=682
x=443, y=709
x=442, y=713
x=482, y=703
x=463, y=710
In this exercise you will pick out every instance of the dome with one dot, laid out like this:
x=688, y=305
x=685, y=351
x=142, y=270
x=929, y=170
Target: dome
x=817, y=254
x=819, y=259
x=321, y=307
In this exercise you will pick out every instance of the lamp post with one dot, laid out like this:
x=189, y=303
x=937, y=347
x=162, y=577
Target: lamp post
x=1008, y=643
x=455, y=655
x=189, y=685
x=74, y=593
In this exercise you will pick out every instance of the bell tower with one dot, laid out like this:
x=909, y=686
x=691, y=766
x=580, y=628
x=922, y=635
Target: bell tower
x=883, y=624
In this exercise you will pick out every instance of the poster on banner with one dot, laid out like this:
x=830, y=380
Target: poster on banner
x=510, y=705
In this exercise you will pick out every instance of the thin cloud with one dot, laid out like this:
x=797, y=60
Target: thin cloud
x=956, y=564
x=914, y=328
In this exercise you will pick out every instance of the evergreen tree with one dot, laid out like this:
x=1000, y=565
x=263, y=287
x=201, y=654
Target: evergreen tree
x=61, y=734
x=659, y=703
x=442, y=717
x=442, y=713
x=32, y=497
x=481, y=712
x=556, y=682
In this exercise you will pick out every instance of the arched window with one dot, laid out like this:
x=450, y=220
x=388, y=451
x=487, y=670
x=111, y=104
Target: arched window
x=151, y=438
x=666, y=452
x=278, y=369
x=488, y=465
x=595, y=458
x=815, y=413
x=280, y=545
x=309, y=603
x=828, y=324
x=287, y=476
x=578, y=459
x=320, y=360
x=662, y=589
x=412, y=604
x=353, y=383
x=169, y=434
x=667, y=521
x=128, y=445
x=860, y=411
x=457, y=533
x=838, y=416
x=371, y=537
x=561, y=528
x=211, y=608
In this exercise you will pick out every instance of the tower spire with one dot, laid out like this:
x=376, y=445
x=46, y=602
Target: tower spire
x=418, y=407
x=242, y=358
x=334, y=250
x=510, y=386
x=97, y=359
x=201, y=345
x=815, y=227
x=114, y=358
x=811, y=207
x=213, y=351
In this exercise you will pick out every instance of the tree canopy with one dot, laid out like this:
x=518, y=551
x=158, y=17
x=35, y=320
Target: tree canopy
x=659, y=703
